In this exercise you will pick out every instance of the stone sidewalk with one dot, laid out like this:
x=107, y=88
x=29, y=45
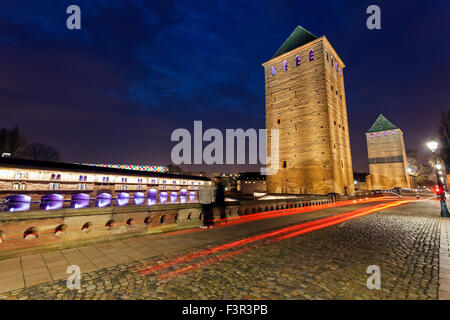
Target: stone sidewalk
x=30, y=270
x=444, y=260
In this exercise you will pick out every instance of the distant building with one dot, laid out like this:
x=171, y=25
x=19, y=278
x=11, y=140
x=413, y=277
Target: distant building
x=387, y=157
x=251, y=182
x=360, y=180
x=229, y=180
x=38, y=178
x=305, y=101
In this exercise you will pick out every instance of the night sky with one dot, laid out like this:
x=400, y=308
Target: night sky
x=114, y=91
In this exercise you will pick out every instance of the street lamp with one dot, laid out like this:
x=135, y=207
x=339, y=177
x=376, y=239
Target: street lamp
x=433, y=145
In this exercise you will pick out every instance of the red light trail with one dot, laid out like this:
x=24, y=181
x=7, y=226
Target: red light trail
x=282, y=234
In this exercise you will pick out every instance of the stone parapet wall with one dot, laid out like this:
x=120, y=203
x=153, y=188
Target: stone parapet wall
x=37, y=230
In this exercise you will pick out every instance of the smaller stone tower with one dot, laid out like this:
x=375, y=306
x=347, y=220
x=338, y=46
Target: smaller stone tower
x=387, y=156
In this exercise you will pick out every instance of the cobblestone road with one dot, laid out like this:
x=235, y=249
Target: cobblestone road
x=329, y=263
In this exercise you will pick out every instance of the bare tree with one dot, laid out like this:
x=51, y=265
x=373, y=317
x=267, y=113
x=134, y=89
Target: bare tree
x=12, y=141
x=38, y=151
x=3, y=140
x=444, y=136
x=424, y=172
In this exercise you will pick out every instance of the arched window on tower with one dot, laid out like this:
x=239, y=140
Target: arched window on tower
x=297, y=60
x=274, y=70
x=284, y=65
x=311, y=55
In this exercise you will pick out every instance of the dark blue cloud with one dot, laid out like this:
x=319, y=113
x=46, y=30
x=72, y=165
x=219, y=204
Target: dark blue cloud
x=115, y=90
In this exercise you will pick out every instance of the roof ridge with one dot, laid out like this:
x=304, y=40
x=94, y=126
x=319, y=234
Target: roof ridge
x=297, y=38
x=382, y=124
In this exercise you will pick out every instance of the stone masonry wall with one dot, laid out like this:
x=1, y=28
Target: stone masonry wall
x=307, y=104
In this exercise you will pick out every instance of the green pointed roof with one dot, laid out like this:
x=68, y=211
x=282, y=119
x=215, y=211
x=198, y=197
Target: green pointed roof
x=382, y=124
x=298, y=37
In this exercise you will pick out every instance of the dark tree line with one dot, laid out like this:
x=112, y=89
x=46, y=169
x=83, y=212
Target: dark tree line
x=14, y=143
x=444, y=137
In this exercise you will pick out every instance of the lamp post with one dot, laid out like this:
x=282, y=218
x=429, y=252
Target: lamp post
x=433, y=145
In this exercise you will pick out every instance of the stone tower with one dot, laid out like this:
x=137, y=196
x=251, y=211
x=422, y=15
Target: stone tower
x=305, y=100
x=387, y=157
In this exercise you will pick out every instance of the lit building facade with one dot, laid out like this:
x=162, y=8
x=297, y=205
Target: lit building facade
x=36, y=179
x=251, y=182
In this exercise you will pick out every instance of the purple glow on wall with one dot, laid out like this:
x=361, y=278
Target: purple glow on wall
x=122, y=199
x=311, y=55
x=182, y=199
x=52, y=201
x=183, y=192
x=378, y=134
x=151, y=201
x=284, y=65
x=79, y=200
x=371, y=135
x=163, y=194
x=103, y=200
x=274, y=70
x=393, y=132
x=152, y=192
x=17, y=202
x=18, y=206
x=385, y=133
x=162, y=199
x=297, y=61
x=173, y=198
x=138, y=198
